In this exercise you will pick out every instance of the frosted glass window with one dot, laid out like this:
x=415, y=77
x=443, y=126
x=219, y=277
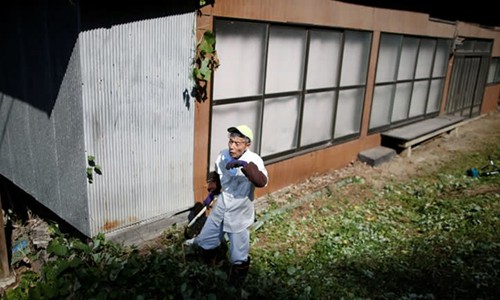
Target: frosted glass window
x=408, y=58
x=401, y=101
x=466, y=46
x=425, y=55
x=355, y=60
x=285, y=63
x=491, y=71
x=434, y=102
x=317, y=122
x=323, y=64
x=225, y=116
x=494, y=70
x=388, y=57
x=241, y=51
x=415, y=94
x=482, y=46
x=349, y=111
x=441, y=60
x=381, y=106
x=279, y=130
x=418, y=98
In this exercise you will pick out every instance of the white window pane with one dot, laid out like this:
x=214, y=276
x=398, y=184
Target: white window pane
x=349, y=110
x=355, y=60
x=434, y=102
x=388, y=57
x=401, y=101
x=408, y=58
x=317, y=120
x=225, y=116
x=381, y=106
x=493, y=68
x=419, y=95
x=285, y=63
x=280, y=125
x=240, y=47
x=491, y=73
x=323, y=64
x=441, y=60
x=425, y=55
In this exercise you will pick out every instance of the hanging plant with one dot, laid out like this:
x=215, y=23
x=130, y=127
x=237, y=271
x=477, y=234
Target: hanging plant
x=92, y=167
x=205, y=61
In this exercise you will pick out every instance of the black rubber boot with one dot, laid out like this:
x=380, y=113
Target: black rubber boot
x=238, y=273
x=209, y=256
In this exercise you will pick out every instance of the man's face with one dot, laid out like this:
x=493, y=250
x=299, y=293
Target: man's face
x=237, y=145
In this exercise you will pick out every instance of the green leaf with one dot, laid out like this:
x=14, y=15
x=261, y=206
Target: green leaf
x=96, y=243
x=91, y=160
x=197, y=74
x=90, y=175
x=97, y=169
x=79, y=245
x=96, y=257
x=209, y=37
x=212, y=297
x=56, y=247
x=75, y=262
x=207, y=44
x=205, y=70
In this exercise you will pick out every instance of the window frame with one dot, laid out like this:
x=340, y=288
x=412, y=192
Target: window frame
x=298, y=148
x=413, y=81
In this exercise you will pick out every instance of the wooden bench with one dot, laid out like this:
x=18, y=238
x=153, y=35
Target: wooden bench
x=405, y=137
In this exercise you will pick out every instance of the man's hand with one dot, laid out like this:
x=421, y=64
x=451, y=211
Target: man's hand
x=208, y=200
x=236, y=163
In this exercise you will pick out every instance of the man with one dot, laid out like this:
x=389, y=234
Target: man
x=240, y=171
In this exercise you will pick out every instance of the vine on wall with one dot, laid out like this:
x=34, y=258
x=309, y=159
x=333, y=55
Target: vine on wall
x=92, y=167
x=205, y=61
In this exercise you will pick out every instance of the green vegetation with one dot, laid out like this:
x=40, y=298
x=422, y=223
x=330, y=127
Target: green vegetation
x=205, y=62
x=433, y=237
x=92, y=167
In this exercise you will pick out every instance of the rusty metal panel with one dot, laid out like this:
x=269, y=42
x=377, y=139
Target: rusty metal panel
x=138, y=120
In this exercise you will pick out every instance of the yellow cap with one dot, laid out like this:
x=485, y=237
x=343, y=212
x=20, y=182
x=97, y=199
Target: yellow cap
x=243, y=130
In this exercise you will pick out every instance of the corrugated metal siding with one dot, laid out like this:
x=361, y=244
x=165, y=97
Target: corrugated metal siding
x=41, y=123
x=137, y=124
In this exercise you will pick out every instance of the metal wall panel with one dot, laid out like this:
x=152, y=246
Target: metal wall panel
x=69, y=143
x=41, y=120
x=42, y=154
x=137, y=123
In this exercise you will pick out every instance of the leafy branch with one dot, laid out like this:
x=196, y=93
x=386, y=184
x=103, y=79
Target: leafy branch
x=205, y=61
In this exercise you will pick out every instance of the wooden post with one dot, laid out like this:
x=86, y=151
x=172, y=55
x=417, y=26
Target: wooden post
x=4, y=258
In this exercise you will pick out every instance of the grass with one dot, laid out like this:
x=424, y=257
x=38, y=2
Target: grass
x=432, y=237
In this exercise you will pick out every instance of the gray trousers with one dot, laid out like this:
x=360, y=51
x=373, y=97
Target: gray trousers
x=212, y=235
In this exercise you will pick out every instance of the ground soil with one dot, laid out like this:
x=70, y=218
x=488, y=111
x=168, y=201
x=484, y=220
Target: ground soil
x=424, y=158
